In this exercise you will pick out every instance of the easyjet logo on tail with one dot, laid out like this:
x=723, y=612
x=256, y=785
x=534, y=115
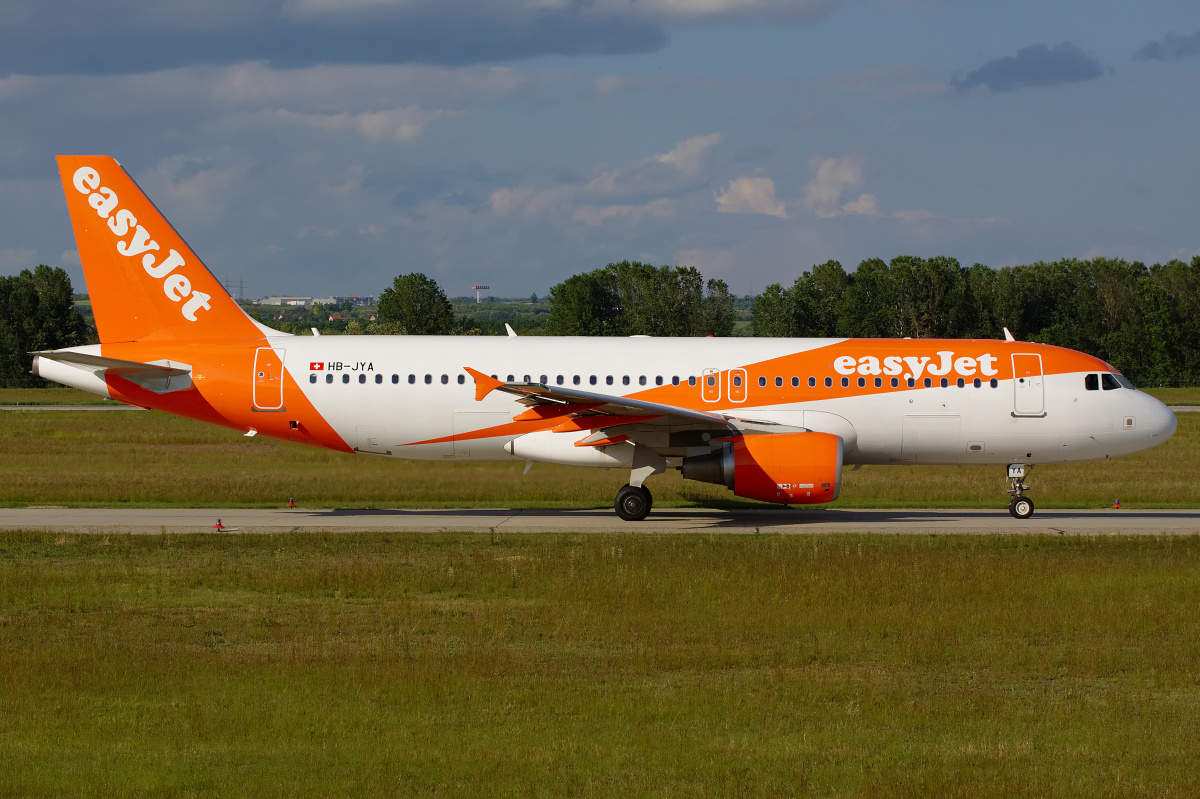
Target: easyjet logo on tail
x=943, y=364
x=175, y=285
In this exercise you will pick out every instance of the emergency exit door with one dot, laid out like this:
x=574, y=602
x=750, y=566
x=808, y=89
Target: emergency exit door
x=267, y=389
x=1029, y=395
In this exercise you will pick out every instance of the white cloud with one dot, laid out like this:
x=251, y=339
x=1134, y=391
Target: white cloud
x=866, y=204
x=399, y=125
x=748, y=195
x=834, y=177
x=194, y=190
x=680, y=167
x=591, y=216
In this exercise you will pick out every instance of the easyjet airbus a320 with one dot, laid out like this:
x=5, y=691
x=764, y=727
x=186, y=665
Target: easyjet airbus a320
x=772, y=419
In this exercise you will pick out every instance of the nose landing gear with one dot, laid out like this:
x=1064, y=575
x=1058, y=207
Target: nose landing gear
x=1019, y=506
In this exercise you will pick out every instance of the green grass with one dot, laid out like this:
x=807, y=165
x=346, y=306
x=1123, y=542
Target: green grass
x=716, y=665
x=1175, y=396
x=151, y=459
x=50, y=396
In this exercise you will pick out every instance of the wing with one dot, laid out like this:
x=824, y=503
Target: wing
x=667, y=429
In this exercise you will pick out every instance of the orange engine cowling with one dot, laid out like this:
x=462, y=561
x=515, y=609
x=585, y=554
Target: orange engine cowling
x=789, y=468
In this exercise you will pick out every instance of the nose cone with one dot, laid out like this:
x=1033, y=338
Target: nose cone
x=1161, y=421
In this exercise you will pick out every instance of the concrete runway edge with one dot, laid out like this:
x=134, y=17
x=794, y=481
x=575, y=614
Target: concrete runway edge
x=667, y=520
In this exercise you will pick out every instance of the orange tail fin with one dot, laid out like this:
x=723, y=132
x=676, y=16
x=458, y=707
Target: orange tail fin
x=143, y=279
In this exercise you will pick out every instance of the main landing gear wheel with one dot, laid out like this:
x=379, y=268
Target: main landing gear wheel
x=1021, y=507
x=633, y=503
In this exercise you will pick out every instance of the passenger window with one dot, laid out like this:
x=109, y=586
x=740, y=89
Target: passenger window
x=312, y=378
x=962, y=383
x=362, y=378
x=544, y=381
x=378, y=378
x=845, y=382
x=625, y=380
x=812, y=382
x=592, y=380
x=879, y=382
x=1091, y=382
x=737, y=380
x=762, y=381
x=778, y=381
x=345, y=378
x=711, y=380
x=945, y=383
x=641, y=380
x=608, y=381
x=795, y=382
x=658, y=381
x=560, y=380
x=928, y=382
x=977, y=383
x=1108, y=382
x=912, y=382
x=510, y=379
x=445, y=379
x=428, y=379
x=675, y=380
x=829, y=382
x=994, y=383
x=328, y=378
x=691, y=380
x=862, y=382
x=895, y=382
x=395, y=378
x=412, y=378
x=527, y=378
x=462, y=379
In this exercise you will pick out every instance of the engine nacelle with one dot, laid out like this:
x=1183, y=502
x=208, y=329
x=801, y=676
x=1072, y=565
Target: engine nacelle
x=789, y=468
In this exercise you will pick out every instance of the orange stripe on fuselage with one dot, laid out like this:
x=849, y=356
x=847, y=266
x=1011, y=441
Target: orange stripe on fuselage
x=222, y=391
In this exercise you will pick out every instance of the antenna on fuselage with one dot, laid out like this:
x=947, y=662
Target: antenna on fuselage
x=1008, y=336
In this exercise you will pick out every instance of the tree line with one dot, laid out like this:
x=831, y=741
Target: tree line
x=1143, y=320
x=37, y=312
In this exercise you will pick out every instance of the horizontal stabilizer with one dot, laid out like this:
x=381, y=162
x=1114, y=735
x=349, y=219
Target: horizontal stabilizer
x=161, y=377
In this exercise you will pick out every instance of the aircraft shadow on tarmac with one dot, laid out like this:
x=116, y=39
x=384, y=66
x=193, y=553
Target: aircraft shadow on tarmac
x=772, y=517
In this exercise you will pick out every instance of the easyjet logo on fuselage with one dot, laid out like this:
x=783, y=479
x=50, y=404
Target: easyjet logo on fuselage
x=175, y=285
x=942, y=364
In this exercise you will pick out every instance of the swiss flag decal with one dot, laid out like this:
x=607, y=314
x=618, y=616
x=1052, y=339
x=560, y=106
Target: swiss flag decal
x=316, y=366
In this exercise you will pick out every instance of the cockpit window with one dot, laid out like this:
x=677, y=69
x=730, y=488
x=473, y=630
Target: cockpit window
x=1109, y=382
x=1091, y=382
x=1123, y=380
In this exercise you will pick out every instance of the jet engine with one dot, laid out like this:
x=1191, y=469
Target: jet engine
x=789, y=468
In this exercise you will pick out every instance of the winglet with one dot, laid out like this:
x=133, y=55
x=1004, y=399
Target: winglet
x=484, y=385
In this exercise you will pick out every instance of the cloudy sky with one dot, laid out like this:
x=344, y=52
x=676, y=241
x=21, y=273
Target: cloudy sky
x=325, y=146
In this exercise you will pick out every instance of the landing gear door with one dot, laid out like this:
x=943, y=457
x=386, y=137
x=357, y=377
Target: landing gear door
x=1029, y=396
x=710, y=385
x=267, y=390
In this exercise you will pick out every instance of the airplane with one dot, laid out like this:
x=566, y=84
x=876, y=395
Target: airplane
x=774, y=420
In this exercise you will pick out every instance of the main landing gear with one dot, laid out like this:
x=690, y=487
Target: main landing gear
x=633, y=503
x=1020, y=506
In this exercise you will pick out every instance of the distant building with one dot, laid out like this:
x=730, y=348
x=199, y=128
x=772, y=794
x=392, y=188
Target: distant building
x=285, y=301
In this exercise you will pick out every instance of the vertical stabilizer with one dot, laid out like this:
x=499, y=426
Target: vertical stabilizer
x=143, y=279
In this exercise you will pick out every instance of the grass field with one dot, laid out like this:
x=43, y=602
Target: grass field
x=461, y=665
x=151, y=459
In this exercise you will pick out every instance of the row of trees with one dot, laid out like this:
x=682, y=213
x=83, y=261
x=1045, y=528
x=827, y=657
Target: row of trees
x=37, y=312
x=1143, y=320
x=632, y=298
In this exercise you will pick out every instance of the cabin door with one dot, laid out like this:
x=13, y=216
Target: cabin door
x=1029, y=396
x=267, y=392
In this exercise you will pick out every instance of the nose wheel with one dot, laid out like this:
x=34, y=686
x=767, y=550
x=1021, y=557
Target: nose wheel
x=1020, y=506
x=633, y=503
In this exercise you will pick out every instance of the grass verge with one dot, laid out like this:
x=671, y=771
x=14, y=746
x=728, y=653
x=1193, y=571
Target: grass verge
x=467, y=665
x=151, y=459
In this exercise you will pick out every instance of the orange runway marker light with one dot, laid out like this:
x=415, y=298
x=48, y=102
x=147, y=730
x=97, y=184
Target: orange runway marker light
x=291, y=502
x=218, y=526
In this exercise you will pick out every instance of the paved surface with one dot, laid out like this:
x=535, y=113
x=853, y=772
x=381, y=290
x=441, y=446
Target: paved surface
x=151, y=520
x=108, y=406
